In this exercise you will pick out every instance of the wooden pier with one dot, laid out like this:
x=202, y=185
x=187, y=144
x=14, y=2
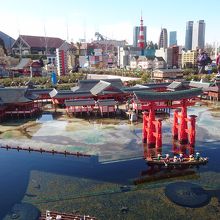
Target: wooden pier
x=29, y=149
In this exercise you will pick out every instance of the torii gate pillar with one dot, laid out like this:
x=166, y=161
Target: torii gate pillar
x=183, y=134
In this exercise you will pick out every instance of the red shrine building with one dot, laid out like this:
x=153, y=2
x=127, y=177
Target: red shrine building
x=17, y=103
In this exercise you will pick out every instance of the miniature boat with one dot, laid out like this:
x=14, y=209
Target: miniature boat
x=172, y=162
x=52, y=215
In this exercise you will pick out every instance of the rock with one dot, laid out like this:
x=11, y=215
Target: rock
x=187, y=194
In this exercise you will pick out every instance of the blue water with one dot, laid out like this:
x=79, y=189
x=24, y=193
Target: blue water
x=15, y=167
x=45, y=117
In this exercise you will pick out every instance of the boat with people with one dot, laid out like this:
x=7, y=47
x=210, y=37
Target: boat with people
x=53, y=215
x=177, y=161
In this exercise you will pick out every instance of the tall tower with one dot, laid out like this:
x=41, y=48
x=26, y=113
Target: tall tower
x=188, y=37
x=136, y=32
x=141, y=42
x=163, y=39
x=198, y=37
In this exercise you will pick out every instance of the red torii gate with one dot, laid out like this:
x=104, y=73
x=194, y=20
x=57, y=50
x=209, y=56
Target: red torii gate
x=150, y=102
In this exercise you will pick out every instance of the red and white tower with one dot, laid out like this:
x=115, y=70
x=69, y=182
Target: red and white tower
x=141, y=37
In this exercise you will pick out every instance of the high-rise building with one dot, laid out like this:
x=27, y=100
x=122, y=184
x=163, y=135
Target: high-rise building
x=188, y=36
x=172, y=39
x=163, y=39
x=198, y=36
x=136, y=33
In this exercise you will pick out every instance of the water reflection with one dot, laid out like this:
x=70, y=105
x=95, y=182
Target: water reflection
x=18, y=165
x=45, y=117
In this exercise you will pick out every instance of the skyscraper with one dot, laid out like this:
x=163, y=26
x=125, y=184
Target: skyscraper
x=172, y=39
x=198, y=36
x=188, y=37
x=163, y=39
x=136, y=33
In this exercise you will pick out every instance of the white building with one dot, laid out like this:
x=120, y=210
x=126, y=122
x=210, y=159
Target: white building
x=123, y=57
x=144, y=63
x=161, y=53
x=50, y=68
x=159, y=63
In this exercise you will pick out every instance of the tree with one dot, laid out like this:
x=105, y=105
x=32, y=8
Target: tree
x=210, y=49
x=2, y=43
x=151, y=45
x=155, y=46
x=78, y=45
x=72, y=49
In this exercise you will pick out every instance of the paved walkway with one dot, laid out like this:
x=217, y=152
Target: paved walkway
x=123, y=78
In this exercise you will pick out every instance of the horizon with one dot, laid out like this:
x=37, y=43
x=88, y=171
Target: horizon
x=74, y=20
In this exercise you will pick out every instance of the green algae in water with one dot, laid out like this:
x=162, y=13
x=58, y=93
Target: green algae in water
x=77, y=148
x=95, y=137
x=110, y=127
x=7, y=135
x=105, y=199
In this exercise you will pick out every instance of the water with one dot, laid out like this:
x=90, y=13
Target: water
x=45, y=117
x=17, y=168
x=94, y=185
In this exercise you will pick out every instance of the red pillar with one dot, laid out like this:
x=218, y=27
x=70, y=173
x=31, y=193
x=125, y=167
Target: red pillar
x=183, y=137
x=183, y=149
x=144, y=128
x=175, y=125
x=151, y=127
x=175, y=148
x=192, y=131
x=191, y=150
x=146, y=151
x=159, y=134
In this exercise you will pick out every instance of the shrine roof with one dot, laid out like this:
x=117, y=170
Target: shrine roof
x=15, y=95
x=80, y=102
x=68, y=94
x=163, y=96
x=106, y=102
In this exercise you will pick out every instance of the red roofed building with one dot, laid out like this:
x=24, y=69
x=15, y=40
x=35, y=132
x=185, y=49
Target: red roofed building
x=36, y=45
x=49, y=46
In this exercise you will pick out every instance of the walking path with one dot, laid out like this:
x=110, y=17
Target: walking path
x=123, y=78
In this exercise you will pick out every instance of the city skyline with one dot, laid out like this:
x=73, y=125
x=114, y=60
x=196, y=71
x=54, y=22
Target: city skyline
x=74, y=20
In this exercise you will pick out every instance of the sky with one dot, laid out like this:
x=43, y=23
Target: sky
x=72, y=20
